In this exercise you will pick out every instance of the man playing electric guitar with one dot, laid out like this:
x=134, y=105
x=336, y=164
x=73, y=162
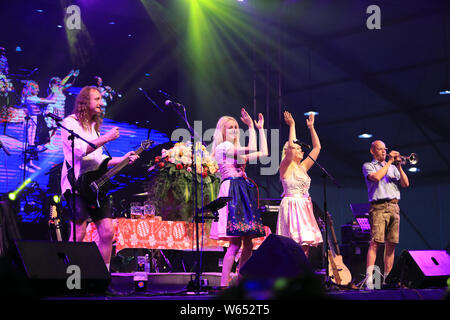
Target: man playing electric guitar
x=86, y=121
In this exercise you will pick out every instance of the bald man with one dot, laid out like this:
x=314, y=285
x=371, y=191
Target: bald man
x=383, y=179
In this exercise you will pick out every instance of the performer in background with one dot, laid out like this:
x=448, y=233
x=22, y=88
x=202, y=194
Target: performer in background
x=106, y=91
x=383, y=180
x=86, y=121
x=57, y=88
x=3, y=62
x=296, y=215
x=6, y=85
x=31, y=102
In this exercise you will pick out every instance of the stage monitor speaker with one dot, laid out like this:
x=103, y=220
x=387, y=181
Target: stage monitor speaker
x=276, y=257
x=421, y=269
x=63, y=267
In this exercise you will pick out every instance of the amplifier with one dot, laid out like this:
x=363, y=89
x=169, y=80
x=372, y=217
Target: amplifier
x=268, y=209
x=351, y=233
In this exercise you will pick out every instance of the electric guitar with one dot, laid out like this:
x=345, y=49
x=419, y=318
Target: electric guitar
x=94, y=185
x=341, y=275
x=55, y=221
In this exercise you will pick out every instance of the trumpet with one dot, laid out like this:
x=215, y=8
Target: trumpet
x=412, y=159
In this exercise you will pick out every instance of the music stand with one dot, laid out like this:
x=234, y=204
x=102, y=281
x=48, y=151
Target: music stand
x=361, y=213
x=213, y=206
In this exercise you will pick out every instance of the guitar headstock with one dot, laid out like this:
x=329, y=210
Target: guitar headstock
x=53, y=212
x=146, y=144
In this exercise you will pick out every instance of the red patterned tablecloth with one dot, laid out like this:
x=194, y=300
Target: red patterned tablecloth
x=157, y=234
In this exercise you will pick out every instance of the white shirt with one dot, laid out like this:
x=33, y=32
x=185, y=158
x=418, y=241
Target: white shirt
x=83, y=162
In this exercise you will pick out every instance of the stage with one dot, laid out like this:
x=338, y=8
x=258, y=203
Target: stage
x=173, y=286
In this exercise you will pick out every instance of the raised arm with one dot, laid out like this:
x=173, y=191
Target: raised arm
x=286, y=161
x=307, y=163
x=66, y=78
x=239, y=151
x=245, y=118
x=263, y=150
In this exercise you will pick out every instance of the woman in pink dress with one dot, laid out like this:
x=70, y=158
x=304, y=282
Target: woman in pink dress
x=296, y=216
x=239, y=221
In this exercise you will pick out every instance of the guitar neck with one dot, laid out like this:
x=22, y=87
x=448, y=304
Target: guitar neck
x=114, y=170
x=333, y=234
x=335, y=241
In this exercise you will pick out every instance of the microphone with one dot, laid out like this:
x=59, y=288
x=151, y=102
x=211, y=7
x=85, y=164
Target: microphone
x=170, y=103
x=53, y=116
x=303, y=145
x=4, y=148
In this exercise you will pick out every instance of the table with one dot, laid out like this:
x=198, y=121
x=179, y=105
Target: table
x=152, y=233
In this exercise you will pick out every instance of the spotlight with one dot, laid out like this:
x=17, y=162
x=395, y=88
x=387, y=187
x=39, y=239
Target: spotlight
x=27, y=187
x=12, y=196
x=365, y=135
x=313, y=112
x=414, y=169
x=444, y=91
x=56, y=199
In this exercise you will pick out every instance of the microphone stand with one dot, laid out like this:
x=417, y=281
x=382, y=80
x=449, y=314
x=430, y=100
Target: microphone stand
x=25, y=147
x=71, y=171
x=150, y=99
x=195, y=284
x=325, y=175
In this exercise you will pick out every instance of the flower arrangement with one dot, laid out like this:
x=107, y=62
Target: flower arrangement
x=171, y=184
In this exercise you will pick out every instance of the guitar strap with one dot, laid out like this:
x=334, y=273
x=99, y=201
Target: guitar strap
x=104, y=146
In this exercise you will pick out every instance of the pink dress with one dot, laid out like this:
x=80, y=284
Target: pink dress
x=296, y=216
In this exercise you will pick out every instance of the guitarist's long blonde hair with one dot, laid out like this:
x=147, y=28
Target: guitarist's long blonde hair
x=81, y=107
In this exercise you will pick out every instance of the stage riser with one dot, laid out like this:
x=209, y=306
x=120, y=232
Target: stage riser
x=167, y=260
x=125, y=282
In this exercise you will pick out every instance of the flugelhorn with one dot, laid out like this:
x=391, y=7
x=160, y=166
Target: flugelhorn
x=412, y=159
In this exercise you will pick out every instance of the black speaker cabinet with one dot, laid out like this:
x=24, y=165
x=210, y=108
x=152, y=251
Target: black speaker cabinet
x=421, y=269
x=53, y=268
x=354, y=256
x=277, y=256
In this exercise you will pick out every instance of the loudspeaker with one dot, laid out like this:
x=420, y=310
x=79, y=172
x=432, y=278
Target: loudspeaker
x=277, y=256
x=421, y=269
x=58, y=267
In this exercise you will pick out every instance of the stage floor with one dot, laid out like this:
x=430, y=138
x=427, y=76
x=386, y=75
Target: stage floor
x=173, y=286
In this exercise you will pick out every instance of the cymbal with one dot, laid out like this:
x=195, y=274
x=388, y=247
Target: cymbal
x=141, y=194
